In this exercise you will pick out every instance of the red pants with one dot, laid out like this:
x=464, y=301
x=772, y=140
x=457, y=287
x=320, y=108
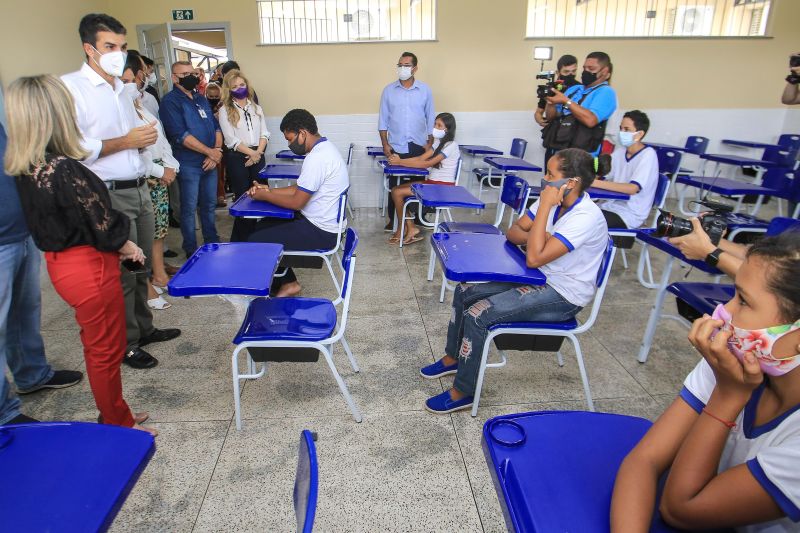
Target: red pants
x=88, y=280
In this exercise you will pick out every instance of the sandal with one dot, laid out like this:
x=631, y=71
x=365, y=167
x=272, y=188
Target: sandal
x=159, y=304
x=413, y=238
x=393, y=240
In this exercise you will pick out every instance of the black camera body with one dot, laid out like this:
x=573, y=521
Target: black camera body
x=794, y=62
x=714, y=223
x=546, y=89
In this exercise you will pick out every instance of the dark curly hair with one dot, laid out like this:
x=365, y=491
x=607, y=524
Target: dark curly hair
x=577, y=163
x=781, y=256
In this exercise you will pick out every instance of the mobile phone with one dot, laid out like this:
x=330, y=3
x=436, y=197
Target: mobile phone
x=134, y=267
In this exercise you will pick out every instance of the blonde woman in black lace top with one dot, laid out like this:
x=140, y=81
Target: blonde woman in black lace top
x=69, y=214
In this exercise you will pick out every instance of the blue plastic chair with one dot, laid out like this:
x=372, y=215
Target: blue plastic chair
x=514, y=195
x=326, y=254
x=569, y=329
x=695, y=145
x=555, y=470
x=518, y=149
x=789, y=141
x=414, y=200
x=298, y=323
x=306, y=483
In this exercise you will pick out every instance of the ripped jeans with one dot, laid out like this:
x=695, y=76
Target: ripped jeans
x=477, y=307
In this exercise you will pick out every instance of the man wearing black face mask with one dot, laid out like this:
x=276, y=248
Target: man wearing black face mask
x=196, y=141
x=579, y=115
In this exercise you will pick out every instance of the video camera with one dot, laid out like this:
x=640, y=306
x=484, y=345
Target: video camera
x=546, y=89
x=714, y=223
x=793, y=77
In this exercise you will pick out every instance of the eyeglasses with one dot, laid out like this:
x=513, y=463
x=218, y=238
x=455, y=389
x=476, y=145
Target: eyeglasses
x=184, y=74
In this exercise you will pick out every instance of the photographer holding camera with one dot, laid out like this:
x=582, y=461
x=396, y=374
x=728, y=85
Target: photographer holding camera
x=791, y=93
x=579, y=115
x=566, y=69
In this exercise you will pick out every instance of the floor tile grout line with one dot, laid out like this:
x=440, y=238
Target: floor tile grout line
x=466, y=470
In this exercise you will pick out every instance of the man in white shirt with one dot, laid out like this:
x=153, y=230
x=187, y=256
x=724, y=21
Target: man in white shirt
x=316, y=196
x=106, y=118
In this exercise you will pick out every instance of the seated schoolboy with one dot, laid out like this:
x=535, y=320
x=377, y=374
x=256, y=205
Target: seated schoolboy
x=566, y=238
x=322, y=181
x=730, y=441
x=634, y=171
x=442, y=161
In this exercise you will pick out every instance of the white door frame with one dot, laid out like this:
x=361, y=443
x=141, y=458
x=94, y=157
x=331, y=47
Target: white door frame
x=182, y=26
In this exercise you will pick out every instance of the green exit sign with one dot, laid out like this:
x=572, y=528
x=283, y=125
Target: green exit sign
x=183, y=14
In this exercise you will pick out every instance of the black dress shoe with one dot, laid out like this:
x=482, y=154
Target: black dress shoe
x=138, y=358
x=159, y=335
x=170, y=253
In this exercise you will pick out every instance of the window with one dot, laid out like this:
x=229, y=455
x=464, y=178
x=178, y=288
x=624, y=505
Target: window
x=647, y=18
x=346, y=21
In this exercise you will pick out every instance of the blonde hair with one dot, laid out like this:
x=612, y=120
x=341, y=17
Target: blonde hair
x=41, y=121
x=227, y=97
x=214, y=85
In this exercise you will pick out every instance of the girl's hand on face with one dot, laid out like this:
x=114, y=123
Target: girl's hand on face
x=735, y=379
x=551, y=196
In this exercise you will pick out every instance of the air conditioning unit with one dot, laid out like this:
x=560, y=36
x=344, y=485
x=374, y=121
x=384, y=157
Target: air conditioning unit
x=368, y=24
x=692, y=20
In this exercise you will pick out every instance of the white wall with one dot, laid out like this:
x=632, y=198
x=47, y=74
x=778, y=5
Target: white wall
x=497, y=129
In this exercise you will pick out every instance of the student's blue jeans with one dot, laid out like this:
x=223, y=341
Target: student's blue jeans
x=198, y=193
x=21, y=344
x=477, y=307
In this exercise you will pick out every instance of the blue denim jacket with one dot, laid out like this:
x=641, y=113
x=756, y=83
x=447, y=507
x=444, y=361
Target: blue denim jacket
x=182, y=117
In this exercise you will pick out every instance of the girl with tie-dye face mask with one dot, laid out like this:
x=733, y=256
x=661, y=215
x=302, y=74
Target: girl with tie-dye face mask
x=731, y=440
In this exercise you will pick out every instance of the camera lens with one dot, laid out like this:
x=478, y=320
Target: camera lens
x=668, y=225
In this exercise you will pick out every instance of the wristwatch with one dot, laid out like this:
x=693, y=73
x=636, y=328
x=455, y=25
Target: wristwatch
x=713, y=258
x=568, y=104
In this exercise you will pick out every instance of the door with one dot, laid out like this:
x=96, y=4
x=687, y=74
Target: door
x=158, y=47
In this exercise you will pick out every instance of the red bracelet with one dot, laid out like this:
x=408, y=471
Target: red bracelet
x=728, y=424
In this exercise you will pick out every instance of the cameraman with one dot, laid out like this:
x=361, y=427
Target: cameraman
x=579, y=115
x=727, y=256
x=791, y=93
x=567, y=68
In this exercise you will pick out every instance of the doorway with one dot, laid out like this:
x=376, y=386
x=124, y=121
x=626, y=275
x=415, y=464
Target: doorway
x=205, y=45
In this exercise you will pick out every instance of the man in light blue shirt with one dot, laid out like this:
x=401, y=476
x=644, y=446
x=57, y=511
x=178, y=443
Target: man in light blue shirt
x=406, y=116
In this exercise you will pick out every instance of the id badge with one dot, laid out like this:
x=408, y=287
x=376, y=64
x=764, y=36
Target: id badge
x=203, y=113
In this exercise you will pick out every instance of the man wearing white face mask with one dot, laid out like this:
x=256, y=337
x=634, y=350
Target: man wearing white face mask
x=107, y=120
x=634, y=171
x=405, y=118
x=147, y=100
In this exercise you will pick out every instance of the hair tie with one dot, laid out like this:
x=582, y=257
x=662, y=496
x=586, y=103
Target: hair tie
x=596, y=164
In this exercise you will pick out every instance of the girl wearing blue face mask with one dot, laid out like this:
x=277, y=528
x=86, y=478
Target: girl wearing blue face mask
x=634, y=171
x=566, y=238
x=441, y=160
x=730, y=442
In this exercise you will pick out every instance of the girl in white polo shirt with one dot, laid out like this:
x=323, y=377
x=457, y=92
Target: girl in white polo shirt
x=441, y=160
x=731, y=440
x=566, y=237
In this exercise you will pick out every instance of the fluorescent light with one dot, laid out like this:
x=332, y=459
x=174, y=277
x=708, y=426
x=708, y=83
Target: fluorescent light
x=543, y=53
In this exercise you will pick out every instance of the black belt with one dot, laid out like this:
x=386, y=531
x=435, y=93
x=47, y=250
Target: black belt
x=116, y=185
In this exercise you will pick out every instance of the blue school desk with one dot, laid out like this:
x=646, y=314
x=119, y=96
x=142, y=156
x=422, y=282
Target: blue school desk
x=68, y=476
x=280, y=172
x=398, y=170
x=511, y=164
x=661, y=146
x=724, y=186
x=554, y=471
x=478, y=257
x=375, y=151
x=673, y=253
x=246, y=207
x=288, y=154
x=750, y=144
x=477, y=150
x=594, y=194
x=228, y=268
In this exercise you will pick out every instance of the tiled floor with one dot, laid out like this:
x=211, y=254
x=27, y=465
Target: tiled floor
x=401, y=469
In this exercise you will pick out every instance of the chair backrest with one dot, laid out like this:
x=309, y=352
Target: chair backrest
x=306, y=483
x=777, y=178
x=780, y=224
x=603, y=273
x=789, y=141
x=350, y=154
x=669, y=161
x=661, y=191
x=518, y=148
x=515, y=193
x=779, y=156
x=348, y=254
x=696, y=145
